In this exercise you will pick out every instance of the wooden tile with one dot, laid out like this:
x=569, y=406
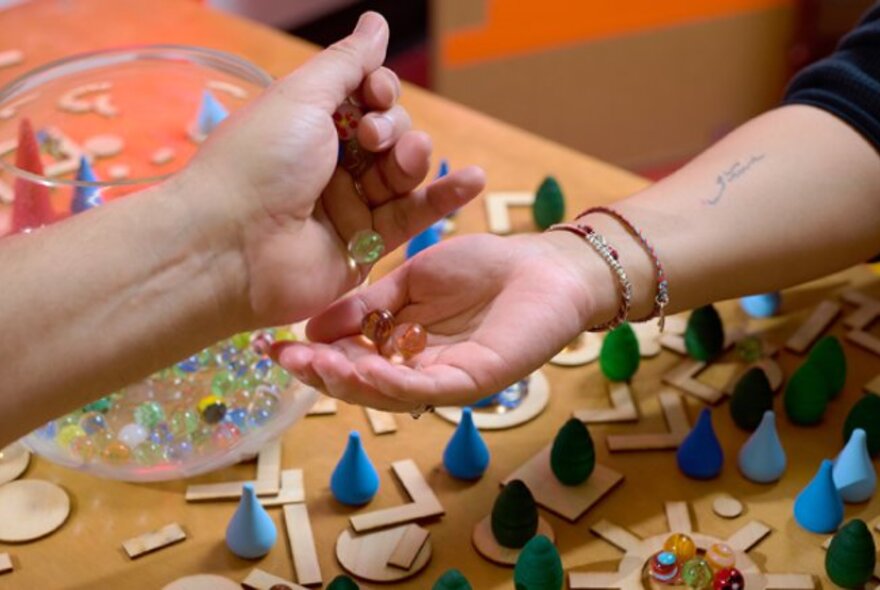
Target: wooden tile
x=291, y=492
x=684, y=377
x=408, y=547
x=788, y=582
x=269, y=467
x=497, y=205
x=228, y=490
x=584, y=350
x=302, y=544
x=486, y=545
x=617, y=536
x=30, y=509
x=325, y=406
x=14, y=460
x=424, y=502
x=11, y=57
x=867, y=309
x=726, y=506
x=569, y=502
x=5, y=563
x=821, y=317
x=152, y=541
x=748, y=536
x=678, y=517
x=623, y=409
x=676, y=419
x=260, y=580
x=381, y=422
x=864, y=339
x=366, y=556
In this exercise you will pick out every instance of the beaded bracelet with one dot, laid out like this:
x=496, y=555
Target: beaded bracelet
x=609, y=255
x=661, y=299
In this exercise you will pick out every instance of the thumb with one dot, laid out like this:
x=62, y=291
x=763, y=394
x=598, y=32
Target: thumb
x=330, y=77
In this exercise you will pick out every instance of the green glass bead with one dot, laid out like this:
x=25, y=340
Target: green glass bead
x=184, y=422
x=452, y=580
x=573, y=456
x=222, y=384
x=704, y=335
x=697, y=574
x=865, y=414
x=342, y=582
x=366, y=246
x=750, y=349
x=549, y=205
x=751, y=397
x=101, y=405
x=241, y=341
x=147, y=453
x=827, y=355
x=806, y=395
x=67, y=434
x=619, y=357
x=538, y=566
x=148, y=414
x=514, y=515
x=852, y=555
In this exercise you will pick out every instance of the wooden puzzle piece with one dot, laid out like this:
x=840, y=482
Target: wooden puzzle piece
x=5, y=563
x=269, y=465
x=325, y=406
x=302, y=544
x=119, y=171
x=486, y=545
x=583, y=350
x=821, y=317
x=259, y=580
x=867, y=309
x=678, y=517
x=381, y=422
x=873, y=386
x=684, y=377
x=676, y=419
x=569, y=502
x=14, y=460
x=748, y=536
x=623, y=408
x=367, y=556
x=864, y=339
x=11, y=57
x=408, y=547
x=726, y=506
x=291, y=492
x=497, y=205
x=267, y=482
x=424, y=503
x=648, y=334
x=154, y=540
x=203, y=582
x=531, y=407
x=30, y=509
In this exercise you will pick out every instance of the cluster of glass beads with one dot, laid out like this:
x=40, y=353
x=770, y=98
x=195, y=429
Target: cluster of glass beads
x=679, y=563
x=406, y=339
x=203, y=404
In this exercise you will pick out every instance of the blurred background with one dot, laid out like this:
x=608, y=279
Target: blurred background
x=644, y=84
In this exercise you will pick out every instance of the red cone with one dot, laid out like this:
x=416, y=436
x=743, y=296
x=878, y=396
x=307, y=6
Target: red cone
x=31, y=207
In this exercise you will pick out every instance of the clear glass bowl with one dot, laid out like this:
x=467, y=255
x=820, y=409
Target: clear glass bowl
x=220, y=405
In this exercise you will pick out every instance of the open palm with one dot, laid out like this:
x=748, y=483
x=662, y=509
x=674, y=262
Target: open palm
x=495, y=309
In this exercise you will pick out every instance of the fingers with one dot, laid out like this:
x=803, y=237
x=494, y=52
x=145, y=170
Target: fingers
x=342, y=381
x=380, y=90
x=432, y=385
x=343, y=318
x=398, y=171
x=402, y=218
x=331, y=76
x=378, y=131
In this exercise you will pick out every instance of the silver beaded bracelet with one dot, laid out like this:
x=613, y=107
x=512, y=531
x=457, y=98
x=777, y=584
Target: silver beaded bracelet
x=607, y=253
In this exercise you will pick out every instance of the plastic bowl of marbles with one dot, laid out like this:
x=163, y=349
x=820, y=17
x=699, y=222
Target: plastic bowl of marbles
x=80, y=132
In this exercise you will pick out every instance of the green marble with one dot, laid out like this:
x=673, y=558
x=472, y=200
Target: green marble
x=573, y=456
x=619, y=357
x=539, y=566
x=704, y=335
x=697, y=574
x=366, y=246
x=865, y=414
x=751, y=397
x=514, y=516
x=148, y=414
x=223, y=383
x=549, y=205
x=184, y=422
x=852, y=555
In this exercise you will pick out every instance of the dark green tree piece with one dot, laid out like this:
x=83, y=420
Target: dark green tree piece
x=342, y=582
x=704, y=335
x=865, y=414
x=751, y=397
x=514, y=515
x=452, y=580
x=851, y=556
x=539, y=566
x=806, y=396
x=828, y=356
x=573, y=455
x=619, y=357
x=549, y=206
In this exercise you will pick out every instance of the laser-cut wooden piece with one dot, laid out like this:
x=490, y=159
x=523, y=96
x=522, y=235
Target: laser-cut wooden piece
x=14, y=460
x=269, y=465
x=228, y=87
x=162, y=156
x=408, y=547
x=676, y=419
x=203, y=582
x=30, y=509
x=789, y=582
x=623, y=408
x=648, y=335
x=366, y=556
x=748, y=536
x=486, y=545
x=259, y=580
x=867, y=309
x=291, y=492
x=678, y=517
x=325, y=406
x=11, y=57
x=381, y=422
x=302, y=544
x=5, y=563
x=726, y=506
x=104, y=145
x=873, y=386
x=822, y=316
x=424, y=503
x=864, y=339
x=583, y=350
x=569, y=502
x=154, y=540
x=532, y=406
x=497, y=205
x=228, y=490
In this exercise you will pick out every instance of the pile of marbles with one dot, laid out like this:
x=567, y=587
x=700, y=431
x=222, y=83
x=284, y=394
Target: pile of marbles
x=202, y=405
x=406, y=339
x=680, y=563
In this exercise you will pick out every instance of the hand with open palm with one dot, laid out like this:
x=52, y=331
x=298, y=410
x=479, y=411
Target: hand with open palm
x=495, y=309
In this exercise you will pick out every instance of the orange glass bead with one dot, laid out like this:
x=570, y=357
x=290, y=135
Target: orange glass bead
x=116, y=452
x=410, y=339
x=720, y=556
x=377, y=326
x=682, y=546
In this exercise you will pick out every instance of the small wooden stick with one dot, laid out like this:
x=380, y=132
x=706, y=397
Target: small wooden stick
x=819, y=320
x=152, y=541
x=269, y=466
x=676, y=420
x=623, y=409
x=496, y=209
x=381, y=422
x=292, y=490
x=302, y=544
x=424, y=502
x=748, y=536
x=228, y=490
x=617, y=536
x=260, y=580
x=678, y=516
x=868, y=309
x=873, y=386
x=5, y=563
x=864, y=339
x=409, y=546
x=684, y=376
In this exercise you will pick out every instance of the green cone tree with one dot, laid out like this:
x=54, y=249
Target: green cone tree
x=704, y=335
x=806, y=396
x=514, y=515
x=549, y=206
x=342, y=582
x=852, y=555
x=573, y=456
x=619, y=357
x=827, y=355
x=539, y=566
x=452, y=580
x=751, y=397
x=865, y=414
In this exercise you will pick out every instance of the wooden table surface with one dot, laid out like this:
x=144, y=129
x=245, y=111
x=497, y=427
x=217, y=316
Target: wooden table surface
x=86, y=552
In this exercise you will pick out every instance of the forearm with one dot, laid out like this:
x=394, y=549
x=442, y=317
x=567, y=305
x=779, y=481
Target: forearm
x=788, y=197
x=103, y=299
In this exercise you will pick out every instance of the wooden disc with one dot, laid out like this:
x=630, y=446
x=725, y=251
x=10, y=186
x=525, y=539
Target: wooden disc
x=726, y=506
x=202, y=582
x=486, y=545
x=14, y=459
x=532, y=406
x=366, y=556
x=584, y=349
x=30, y=509
x=104, y=146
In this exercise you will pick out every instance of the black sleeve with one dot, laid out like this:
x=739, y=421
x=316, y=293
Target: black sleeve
x=847, y=83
